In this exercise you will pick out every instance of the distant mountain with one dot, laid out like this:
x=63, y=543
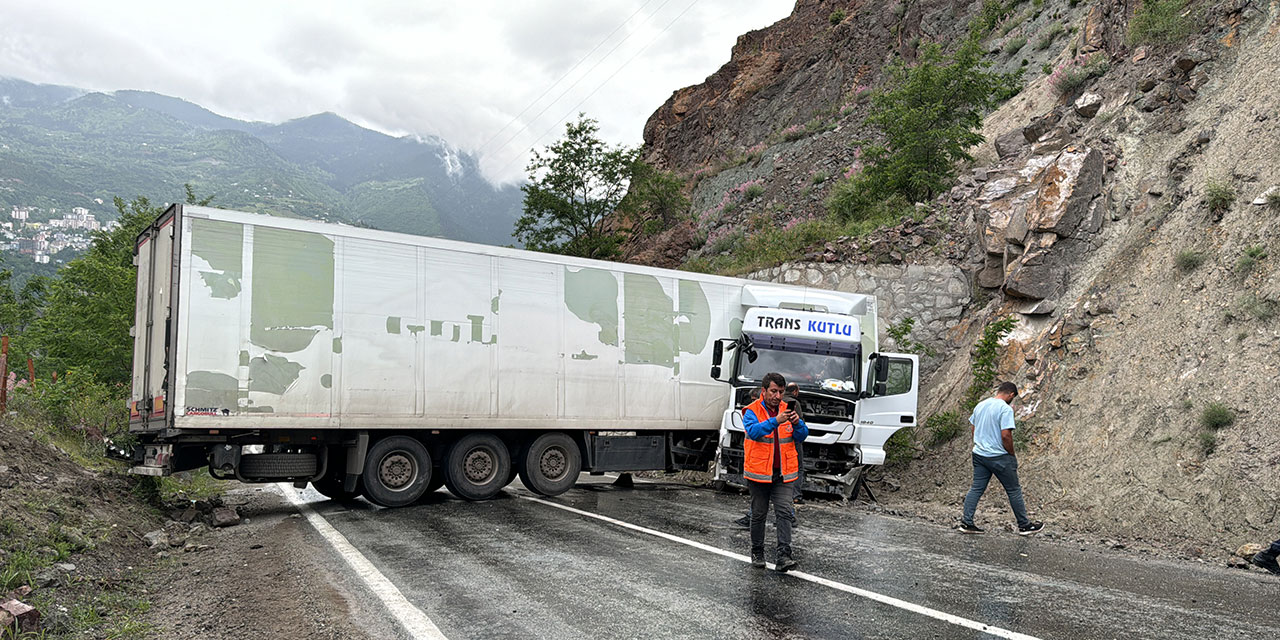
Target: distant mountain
x=62, y=147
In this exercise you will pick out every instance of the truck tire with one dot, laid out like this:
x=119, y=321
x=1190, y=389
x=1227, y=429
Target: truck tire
x=278, y=465
x=477, y=467
x=551, y=464
x=397, y=470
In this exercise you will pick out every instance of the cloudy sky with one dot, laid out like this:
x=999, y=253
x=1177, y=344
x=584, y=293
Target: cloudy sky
x=495, y=78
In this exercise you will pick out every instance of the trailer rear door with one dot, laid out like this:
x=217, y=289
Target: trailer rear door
x=155, y=257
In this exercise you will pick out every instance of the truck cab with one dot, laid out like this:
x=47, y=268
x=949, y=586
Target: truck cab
x=852, y=397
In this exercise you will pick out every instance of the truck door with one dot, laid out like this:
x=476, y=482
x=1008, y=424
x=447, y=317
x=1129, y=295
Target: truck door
x=148, y=404
x=890, y=408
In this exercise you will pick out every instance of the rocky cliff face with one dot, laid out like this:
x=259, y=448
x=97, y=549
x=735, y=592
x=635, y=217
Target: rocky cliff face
x=1115, y=222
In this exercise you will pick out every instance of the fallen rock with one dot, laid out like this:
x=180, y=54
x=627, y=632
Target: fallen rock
x=1190, y=59
x=1087, y=105
x=1249, y=550
x=15, y=614
x=225, y=517
x=1010, y=144
x=1265, y=197
x=157, y=539
x=1146, y=84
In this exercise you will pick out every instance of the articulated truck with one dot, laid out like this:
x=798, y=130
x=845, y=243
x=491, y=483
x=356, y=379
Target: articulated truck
x=385, y=365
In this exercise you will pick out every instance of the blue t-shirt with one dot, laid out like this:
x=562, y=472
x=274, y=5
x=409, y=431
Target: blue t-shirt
x=989, y=419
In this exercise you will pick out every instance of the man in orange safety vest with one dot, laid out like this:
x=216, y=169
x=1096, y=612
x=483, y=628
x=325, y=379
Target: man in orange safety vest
x=770, y=465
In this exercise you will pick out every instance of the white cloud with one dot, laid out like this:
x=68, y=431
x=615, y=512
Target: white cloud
x=460, y=71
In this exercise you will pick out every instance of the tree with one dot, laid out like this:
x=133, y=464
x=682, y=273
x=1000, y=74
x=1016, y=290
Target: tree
x=89, y=306
x=574, y=185
x=655, y=201
x=930, y=115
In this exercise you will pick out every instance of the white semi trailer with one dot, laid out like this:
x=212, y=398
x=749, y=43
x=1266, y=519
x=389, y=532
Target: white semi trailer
x=387, y=365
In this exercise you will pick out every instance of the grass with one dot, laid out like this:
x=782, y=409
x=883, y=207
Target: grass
x=754, y=191
x=837, y=17
x=1073, y=76
x=1014, y=45
x=1208, y=442
x=1188, y=260
x=1217, y=416
x=1253, y=306
x=1219, y=195
x=1273, y=200
x=1047, y=38
x=1250, y=259
x=1160, y=22
x=819, y=177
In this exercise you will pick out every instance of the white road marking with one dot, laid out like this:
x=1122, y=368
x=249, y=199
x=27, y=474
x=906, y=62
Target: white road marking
x=419, y=626
x=839, y=586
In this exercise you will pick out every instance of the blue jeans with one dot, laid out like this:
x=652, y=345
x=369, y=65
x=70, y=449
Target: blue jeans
x=1005, y=469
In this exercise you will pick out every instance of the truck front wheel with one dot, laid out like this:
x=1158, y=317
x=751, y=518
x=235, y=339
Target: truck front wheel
x=477, y=467
x=551, y=464
x=397, y=470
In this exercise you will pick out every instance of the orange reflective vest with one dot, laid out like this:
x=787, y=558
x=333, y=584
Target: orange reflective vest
x=758, y=454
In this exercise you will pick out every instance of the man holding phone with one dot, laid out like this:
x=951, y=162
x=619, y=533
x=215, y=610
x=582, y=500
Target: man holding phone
x=771, y=465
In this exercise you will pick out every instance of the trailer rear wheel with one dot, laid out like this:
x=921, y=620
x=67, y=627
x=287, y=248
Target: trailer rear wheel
x=397, y=470
x=551, y=464
x=477, y=467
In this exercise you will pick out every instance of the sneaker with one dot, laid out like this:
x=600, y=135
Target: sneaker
x=744, y=521
x=1030, y=528
x=969, y=527
x=1266, y=561
x=757, y=559
x=785, y=564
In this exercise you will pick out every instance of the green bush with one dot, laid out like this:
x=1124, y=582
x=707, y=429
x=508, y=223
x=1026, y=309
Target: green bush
x=1273, y=200
x=943, y=427
x=983, y=365
x=837, y=17
x=1219, y=195
x=930, y=116
x=900, y=447
x=1217, y=416
x=900, y=332
x=1159, y=22
x=754, y=191
x=820, y=177
x=1188, y=260
x=1250, y=259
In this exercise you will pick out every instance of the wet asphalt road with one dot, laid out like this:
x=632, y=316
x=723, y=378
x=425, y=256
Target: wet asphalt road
x=516, y=567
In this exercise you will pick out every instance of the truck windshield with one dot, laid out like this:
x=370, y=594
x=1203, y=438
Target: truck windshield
x=800, y=368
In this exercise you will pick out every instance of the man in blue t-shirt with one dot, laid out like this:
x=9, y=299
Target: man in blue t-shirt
x=992, y=424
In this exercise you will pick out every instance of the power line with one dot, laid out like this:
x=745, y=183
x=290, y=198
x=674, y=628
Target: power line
x=566, y=75
x=569, y=88
x=601, y=85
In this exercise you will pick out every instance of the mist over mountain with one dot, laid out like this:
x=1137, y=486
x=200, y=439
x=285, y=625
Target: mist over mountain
x=63, y=147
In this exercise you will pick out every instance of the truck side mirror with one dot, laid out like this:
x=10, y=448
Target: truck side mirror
x=881, y=385
x=717, y=359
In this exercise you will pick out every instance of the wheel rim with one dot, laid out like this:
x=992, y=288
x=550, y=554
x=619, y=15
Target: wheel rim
x=554, y=463
x=479, y=466
x=397, y=471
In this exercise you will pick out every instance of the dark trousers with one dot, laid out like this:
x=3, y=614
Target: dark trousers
x=780, y=495
x=1005, y=469
x=1275, y=548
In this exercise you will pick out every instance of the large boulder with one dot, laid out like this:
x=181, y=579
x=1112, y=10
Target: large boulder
x=1067, y=191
